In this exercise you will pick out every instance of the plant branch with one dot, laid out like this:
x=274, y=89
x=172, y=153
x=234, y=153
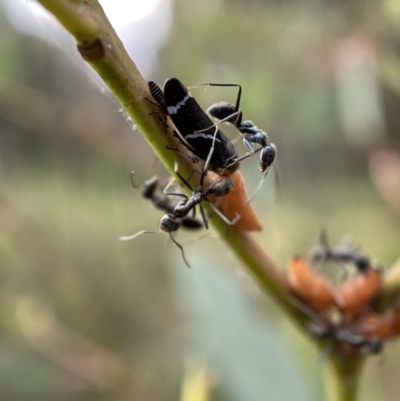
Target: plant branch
x=102, y=49
x=342, y=376
x=106, y=54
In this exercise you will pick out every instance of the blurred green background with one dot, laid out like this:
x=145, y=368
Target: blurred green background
x=86, y=317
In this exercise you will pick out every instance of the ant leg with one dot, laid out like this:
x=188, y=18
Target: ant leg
x=180, y=247
x=134, y=185
x=156, y=160
x=149, y=185
x=203, y=215
x=194, y=214
x=241, y=158
x=129, y=237
x=164, y=123
x=192, y=159
x=244, y=157
x=181, y=177
x=248, y=144
x=153, y=103
x=260, y=184
x=210, y=153
x=238, y=98
x=170, y=183
x=236, y=113
x=323, y=254
x=176, y=194
x=194, y=171
x=237, y=138
x=157, y=112
x=319, y=249
x=224, y=218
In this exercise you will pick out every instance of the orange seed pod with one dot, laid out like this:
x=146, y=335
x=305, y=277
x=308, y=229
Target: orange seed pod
x=313, y=289
x=358, y=292
x=234, y=204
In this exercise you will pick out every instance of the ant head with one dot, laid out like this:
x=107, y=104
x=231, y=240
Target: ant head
x=362, y=263
x=169, y=223
x=267, y=156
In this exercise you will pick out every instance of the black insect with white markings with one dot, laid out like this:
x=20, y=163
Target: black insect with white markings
x=171, y=222
x=164, y=202
x=196, y=131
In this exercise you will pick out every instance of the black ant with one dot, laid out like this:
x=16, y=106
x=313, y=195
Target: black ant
x=344, y=253
x=340, y=334
x=344, y=336
x=231, y=113
x=171, y=222
x=164, y=203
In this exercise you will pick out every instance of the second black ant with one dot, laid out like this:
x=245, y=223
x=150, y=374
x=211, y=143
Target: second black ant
x=231, y=113
x=343, y=253
x=172, y=221
x=164, y=202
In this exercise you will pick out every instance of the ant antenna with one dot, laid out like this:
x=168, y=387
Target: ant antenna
x=134, y=185
x=260, y=184
x=129, y=237
x=181, y=248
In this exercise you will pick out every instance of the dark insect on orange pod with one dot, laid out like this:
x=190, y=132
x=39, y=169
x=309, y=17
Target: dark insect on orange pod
x=313, y=289
x=236, y=204
x=360, y=291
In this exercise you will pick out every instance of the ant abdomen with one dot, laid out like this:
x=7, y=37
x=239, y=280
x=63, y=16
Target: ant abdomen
x=191, y=224
x=221, y=187
x=150, y=187
x=222, y=110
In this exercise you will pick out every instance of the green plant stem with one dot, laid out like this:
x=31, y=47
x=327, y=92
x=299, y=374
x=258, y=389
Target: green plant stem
x=78, y=25
x=342, y=375
x=112, y=63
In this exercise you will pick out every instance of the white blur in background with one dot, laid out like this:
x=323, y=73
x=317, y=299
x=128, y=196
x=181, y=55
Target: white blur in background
x=133, y=20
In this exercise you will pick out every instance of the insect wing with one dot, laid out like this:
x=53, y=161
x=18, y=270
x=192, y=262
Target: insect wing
x=189, y=118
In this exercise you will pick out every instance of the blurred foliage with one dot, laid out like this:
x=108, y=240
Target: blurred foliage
x=84, y=316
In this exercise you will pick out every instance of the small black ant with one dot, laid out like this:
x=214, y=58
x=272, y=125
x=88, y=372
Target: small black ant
x=344, y=253
x=231, y=113
x=344, y=336
x=340, y=334
x=164, y=203
x=171, y=222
